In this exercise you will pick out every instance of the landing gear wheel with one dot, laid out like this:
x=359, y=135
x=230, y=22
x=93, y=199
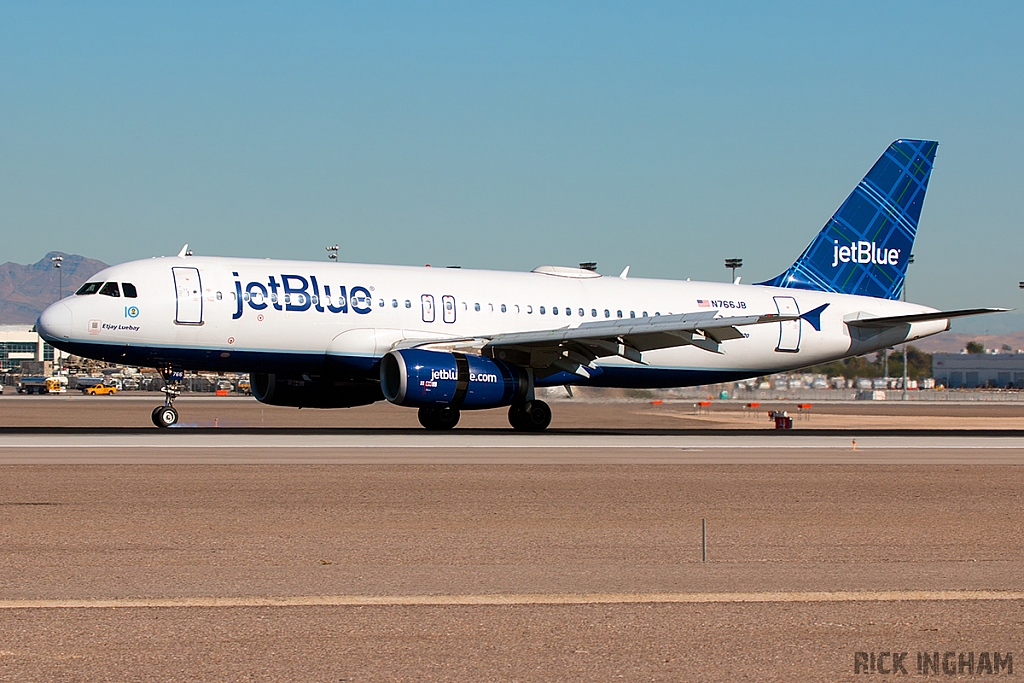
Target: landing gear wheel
x=165, y=416
x=436, y=419
x=532, y=416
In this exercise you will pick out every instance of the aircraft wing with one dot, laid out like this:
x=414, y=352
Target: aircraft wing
x=894, y=320
x=573, y=349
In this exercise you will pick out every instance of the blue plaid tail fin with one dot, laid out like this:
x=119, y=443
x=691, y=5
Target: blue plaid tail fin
x=864, y=249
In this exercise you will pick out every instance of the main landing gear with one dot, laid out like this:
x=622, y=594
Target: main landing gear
x=439, y=418
x=532, y=416
x=166, y=416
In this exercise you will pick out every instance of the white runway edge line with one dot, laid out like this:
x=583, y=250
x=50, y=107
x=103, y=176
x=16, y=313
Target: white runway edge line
x=520, y=599
x=491, y=441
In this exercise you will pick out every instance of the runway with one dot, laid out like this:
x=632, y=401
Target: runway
x=420, y=447
x=480, y=554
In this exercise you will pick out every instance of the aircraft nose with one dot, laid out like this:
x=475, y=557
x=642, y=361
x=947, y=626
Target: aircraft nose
x=54, y=323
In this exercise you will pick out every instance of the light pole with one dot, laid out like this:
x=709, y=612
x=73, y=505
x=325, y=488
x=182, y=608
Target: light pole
x=909, y=261
x=332, y=253
x=56, y=260
x=733, y=264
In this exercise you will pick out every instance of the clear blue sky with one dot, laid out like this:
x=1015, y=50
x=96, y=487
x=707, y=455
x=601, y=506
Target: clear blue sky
x=661, y=136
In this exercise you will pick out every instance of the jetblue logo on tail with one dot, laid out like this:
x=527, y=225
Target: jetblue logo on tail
x=865, y=247
x=864, y=252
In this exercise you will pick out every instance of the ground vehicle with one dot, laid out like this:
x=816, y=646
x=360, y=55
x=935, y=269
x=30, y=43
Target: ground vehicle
x=58, y=384
x=100, y=390
x=43, y=385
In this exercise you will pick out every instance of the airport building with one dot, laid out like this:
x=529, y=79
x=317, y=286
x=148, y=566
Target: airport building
x=974, y=370
x=20, y=343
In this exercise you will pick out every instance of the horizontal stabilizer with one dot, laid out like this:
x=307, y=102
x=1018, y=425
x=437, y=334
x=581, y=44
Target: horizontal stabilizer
x=894, y=320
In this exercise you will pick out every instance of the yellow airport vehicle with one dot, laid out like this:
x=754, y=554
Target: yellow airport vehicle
x=99, y=390
x=56, y=385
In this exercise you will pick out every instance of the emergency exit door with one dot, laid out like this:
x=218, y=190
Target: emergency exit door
x=189, y=293
x=789, y=330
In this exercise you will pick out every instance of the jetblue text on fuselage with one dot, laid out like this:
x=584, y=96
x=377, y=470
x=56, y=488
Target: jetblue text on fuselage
x=864, y=252
x=298, y=293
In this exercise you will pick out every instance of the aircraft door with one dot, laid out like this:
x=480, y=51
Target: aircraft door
x=189, y=293
x=448, y=305
x=427, y=303
x=789, y=330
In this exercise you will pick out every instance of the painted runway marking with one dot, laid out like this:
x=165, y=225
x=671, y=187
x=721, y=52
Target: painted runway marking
x=521, y=599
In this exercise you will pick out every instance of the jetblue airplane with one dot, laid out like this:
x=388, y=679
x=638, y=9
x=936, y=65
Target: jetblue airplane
x=443, y=340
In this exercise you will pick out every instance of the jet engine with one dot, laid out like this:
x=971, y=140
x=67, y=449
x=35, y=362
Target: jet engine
x=312, y=391
x=420, y=378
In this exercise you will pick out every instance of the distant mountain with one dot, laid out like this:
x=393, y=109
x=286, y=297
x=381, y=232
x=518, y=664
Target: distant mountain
x=955, y=342
x=26, y=290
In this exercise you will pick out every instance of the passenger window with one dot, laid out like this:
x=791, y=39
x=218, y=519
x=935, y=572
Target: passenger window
x=554, y=310
x=315, y=299
x=503, y=308
x=408, y=304
x=89, y=288
x=476, y=307
x=542, y=310
x=607, y=313
x=618, y=313
x=110, y=289
x=593, y=312
x=380, y=303
x=129, y=290
x=273, y=298
x=582, y=313
x=644, y=314
x=219, y=295
x=568, y=311
x=632, y=314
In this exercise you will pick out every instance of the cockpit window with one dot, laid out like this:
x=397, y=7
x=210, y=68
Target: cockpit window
x=110, y=289
x=129, y=290
x=89, y=288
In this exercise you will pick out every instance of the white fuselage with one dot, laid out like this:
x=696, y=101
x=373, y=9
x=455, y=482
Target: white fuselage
x=259, y=315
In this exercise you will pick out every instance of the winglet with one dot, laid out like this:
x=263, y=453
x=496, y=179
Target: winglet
x=184, y=251
x=814, y=317
x=625, y=273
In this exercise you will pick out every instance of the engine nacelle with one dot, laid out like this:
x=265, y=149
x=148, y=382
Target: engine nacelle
x=417, y=378
x=311, y=391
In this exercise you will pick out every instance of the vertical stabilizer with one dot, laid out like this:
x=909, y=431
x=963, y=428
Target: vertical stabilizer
x=864, y=249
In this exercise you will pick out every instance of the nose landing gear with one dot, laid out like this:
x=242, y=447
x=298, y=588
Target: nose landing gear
x=166, y=416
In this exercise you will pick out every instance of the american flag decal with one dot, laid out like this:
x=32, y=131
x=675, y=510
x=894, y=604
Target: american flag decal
x=703, y=303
